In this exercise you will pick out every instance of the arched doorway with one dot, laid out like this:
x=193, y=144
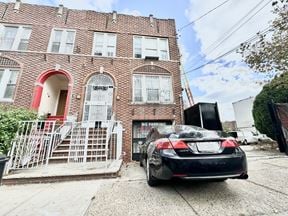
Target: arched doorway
x=98, y=98
x=52, y=94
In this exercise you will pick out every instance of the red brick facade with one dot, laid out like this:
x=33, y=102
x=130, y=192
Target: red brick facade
x=81, y=64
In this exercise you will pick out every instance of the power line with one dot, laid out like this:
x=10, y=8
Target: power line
x=239, y=27
x=212, y=47
x=205, y=14
x=227, y=53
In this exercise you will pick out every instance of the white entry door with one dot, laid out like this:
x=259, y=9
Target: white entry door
x=98, y=100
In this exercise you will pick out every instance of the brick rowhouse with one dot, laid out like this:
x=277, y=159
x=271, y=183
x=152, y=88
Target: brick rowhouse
x=37, y=63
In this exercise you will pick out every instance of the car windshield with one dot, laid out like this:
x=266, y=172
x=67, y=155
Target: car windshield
x=187, y=131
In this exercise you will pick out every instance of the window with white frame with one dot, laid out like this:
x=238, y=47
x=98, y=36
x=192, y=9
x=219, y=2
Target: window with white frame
x=13, y=37
x=152, y=89
x=150, y=46
x=62, y=41
x=104, y=44
x=8, y=80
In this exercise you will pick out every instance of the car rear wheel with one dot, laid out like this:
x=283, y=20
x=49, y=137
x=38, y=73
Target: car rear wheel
x=151, y=180
x=245, y=142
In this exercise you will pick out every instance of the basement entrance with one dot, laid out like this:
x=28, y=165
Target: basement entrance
x=139, y=132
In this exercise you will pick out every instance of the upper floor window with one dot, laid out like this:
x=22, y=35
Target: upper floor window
x=8, y=80
x=104, y=44
x=62, y=41
x=14, y=37
x=150, y=46
x=152, y=89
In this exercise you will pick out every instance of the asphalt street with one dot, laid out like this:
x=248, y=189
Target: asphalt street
x=264, y=193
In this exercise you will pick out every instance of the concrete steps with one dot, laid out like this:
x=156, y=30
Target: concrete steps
x=96, y=147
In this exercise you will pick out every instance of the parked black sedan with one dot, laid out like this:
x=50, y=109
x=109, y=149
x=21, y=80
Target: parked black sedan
x=189, y=152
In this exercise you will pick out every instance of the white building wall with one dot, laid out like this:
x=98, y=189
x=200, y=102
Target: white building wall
x=50, y=95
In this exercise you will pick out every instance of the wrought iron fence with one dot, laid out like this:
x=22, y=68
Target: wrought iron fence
x=32, y=144
x=90, y=141
x=93, y=141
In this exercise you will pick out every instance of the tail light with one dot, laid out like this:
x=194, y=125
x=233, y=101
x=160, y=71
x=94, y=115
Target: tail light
x=173, y=144
x=179, y=144
x=163, y=144
x=229, y=144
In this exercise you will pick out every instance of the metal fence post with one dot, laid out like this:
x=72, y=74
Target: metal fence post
x=50, y=144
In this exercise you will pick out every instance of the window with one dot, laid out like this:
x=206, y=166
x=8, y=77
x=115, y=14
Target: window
x=150, y=46
x=104, y=44
x=62, y=41
x=152, y=89
x=8, y=80
x=14, y=37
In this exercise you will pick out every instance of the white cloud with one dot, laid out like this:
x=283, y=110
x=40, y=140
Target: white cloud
x=219, y=82
x=184, y=53
x=97, y=5
x=214, y=26
x=131, y=12
x=226, y=85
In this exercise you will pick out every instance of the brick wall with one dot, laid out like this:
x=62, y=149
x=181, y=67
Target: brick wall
x=81, y=65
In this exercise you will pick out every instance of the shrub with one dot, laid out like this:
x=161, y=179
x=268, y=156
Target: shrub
x=9, y=123
x=276, y=90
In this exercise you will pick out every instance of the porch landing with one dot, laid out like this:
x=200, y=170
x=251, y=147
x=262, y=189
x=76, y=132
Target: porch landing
x=64, y=172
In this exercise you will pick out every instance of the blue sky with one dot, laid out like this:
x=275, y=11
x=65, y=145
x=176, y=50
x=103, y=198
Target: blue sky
x=225, y=81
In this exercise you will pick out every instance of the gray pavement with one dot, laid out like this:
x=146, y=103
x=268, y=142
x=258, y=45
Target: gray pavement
x=56, y=199
x=264, y=193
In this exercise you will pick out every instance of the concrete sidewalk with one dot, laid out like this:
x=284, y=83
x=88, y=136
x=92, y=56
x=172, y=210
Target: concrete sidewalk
x=57, y=199
x=64, y=172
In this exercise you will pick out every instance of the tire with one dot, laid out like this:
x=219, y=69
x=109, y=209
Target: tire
x=141, y=163
x=245, y=142
x=151, y=180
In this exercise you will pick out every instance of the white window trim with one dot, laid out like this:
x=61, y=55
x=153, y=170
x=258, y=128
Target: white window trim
x=63, y=40
x=143, y=54
x=105, y=45
x=144, y=92
x=4, y=80
x=17, y=36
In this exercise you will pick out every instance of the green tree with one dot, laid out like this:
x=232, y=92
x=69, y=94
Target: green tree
x=276, y=90
x=9, y=124
x=270, y=51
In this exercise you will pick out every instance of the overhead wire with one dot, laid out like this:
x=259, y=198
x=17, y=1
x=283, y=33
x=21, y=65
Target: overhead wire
x=205, y=14
x=239, y=27
x=212, y=47
x=227, y=53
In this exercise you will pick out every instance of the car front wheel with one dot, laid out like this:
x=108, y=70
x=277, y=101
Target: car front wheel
x=151, y=180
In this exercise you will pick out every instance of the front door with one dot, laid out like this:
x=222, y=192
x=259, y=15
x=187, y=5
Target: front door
x=100, y=105
x=61, y=103
x=99, y=98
